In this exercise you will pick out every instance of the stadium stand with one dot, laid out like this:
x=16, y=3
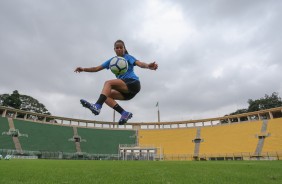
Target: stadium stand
x=45, y=137
x=273, y=140
x=6, y=141
x=233, y=138
x=256, y=135
x=171, y=141
x=102, y=141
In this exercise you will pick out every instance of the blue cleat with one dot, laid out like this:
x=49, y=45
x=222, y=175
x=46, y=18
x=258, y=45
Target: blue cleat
x=93, y=107
x=125, y=116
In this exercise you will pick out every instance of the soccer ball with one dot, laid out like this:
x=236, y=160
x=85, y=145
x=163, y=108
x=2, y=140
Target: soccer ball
x=118, y=65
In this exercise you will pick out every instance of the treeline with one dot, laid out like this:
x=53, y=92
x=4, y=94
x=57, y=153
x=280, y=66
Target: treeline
x=22, y=102
x=266, y=102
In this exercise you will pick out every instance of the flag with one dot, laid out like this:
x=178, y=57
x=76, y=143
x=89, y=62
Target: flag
x=157, y=104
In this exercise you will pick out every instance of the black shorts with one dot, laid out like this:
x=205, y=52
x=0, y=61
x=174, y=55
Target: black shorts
x=133, y=88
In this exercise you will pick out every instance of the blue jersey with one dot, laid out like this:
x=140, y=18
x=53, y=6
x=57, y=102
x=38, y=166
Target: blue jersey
x=130, y=71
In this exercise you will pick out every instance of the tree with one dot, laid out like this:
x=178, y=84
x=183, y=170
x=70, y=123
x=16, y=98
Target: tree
x=239, y=111
x=23, y=102
x=265, y=103
x=2, y=98
x=13, y=100
x=33, y=105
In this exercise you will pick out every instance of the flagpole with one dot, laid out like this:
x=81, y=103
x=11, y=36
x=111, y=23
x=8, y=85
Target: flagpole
x=114, y=116
x=158, y=115
x=158, y=111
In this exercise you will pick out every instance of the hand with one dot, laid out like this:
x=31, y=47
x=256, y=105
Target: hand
x=153, y=66
x=79, y=69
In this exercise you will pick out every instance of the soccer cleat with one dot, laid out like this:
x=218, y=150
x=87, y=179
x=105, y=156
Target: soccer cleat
x=125, y=116
x=93, y=107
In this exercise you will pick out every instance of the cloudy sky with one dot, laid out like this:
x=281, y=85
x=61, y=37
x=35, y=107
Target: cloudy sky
x=213, y=55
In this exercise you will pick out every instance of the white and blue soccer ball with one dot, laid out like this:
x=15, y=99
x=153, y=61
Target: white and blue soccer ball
x=118, y=65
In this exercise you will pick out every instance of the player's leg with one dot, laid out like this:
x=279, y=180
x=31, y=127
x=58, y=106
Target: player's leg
x=123, y=93
x=116, y=89
x=112, y=89
x=115, y=84
x=111, y=102
x=93, y=107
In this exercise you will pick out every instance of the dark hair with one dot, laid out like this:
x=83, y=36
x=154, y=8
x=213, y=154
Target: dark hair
x=120, y=41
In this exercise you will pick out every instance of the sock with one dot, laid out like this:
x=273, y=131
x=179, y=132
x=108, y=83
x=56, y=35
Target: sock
x=101, y=100
x=118, y=108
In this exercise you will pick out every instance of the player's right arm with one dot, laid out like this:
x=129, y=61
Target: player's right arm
x=91, y=69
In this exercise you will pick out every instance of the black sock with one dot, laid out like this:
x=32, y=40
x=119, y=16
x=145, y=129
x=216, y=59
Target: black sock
x=118, y=108
x=101, y=99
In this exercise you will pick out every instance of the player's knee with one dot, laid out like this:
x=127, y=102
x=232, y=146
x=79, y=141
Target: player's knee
x=108, y=84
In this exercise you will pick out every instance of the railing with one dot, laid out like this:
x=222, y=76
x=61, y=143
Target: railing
x=43, y=118
x=277, y=155
x=25, y=154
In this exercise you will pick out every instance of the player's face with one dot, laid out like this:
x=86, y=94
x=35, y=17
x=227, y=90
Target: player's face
x=119, y=49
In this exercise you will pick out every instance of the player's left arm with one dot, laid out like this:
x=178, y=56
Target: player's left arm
x=151, y=66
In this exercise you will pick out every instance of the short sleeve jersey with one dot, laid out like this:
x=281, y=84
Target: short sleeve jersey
x=130, y=71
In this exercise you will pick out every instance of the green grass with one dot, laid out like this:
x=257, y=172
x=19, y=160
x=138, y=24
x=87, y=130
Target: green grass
x=166, y=172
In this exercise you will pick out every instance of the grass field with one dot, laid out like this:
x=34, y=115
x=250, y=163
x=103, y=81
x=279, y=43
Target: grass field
x=166, y=172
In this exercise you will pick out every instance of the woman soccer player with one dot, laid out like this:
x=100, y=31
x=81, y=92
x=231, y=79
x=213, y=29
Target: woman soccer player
x=125, y=87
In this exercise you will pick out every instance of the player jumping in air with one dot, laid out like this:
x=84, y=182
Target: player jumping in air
x=125, y=87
